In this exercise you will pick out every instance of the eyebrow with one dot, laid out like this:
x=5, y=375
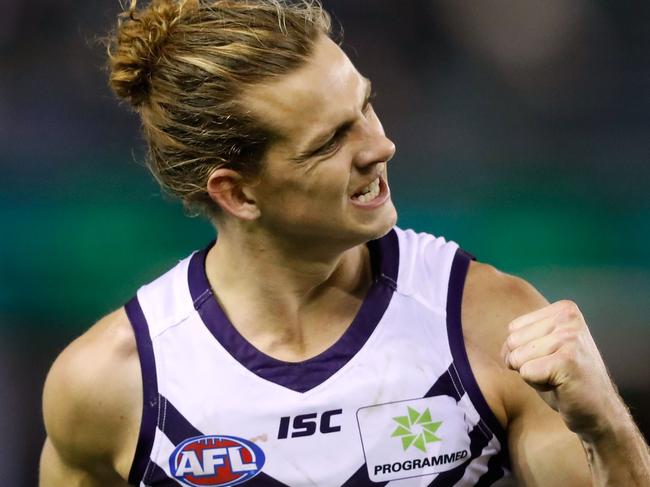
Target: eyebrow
x=318, y=141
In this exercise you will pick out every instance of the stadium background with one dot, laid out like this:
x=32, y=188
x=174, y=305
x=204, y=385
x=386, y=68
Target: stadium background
x=523, y=132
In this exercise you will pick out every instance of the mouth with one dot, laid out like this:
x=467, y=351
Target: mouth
x=373, y=195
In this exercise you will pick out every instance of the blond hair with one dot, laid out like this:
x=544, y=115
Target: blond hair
x=183, y=65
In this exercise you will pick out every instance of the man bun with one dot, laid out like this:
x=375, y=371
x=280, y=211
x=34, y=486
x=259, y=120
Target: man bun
x=137, y=46
x=185, y=65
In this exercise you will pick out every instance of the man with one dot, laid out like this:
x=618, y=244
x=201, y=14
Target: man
x=313, y=343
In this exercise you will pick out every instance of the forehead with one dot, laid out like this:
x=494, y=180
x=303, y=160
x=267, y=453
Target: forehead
x=318, y=95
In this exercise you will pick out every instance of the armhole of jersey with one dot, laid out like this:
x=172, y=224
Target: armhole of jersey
x=457, y=277
x=150, y=396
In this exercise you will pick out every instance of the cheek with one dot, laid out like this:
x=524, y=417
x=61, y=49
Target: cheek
x=334, y=173
x=326, y=183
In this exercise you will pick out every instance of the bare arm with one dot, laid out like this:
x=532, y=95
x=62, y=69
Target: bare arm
x=553, y=351
x=620, y=456
x=57, y=471
x=91, y=405
x=548, y=444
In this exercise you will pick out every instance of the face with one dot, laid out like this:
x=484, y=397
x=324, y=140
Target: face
x=326, y=178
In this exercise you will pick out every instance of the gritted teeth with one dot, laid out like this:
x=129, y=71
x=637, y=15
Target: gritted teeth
x=368, y=193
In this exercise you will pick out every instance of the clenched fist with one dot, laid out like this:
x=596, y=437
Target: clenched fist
x=554, y=352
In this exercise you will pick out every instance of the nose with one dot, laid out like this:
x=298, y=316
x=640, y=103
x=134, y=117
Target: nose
x=376, y=149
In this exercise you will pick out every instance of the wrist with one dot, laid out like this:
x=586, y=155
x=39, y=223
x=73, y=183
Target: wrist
x=618, y=454
x=610, y=426
x=616, y=428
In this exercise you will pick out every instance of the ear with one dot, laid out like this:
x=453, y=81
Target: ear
x=228, y=189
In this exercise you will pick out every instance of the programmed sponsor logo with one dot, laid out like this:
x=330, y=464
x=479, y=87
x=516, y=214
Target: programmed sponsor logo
x=419, y=463
x=413, y=438
x=216, y=460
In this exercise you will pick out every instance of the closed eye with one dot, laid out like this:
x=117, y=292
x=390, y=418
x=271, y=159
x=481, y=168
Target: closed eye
x=333, y=144
x=328, y=147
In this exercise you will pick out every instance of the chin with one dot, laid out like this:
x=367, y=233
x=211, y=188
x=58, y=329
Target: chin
x=381, y=227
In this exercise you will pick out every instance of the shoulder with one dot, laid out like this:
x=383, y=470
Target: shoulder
x=491, y=300
x=92, y=397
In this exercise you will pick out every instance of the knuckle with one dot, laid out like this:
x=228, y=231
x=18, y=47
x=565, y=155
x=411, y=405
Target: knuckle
x=511, y=342
x=513, y=360
x=568, y=355
x=565, y=334
x=570, y=310
x=559, y=333
x=567, y=303
x=512, y=326
x=524, y=370
x=531, y=373
x=571, y=340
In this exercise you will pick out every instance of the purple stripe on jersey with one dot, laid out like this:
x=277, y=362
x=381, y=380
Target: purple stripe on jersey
x=478, y=441
x=494, y=471
x=459, y=269
x=156, y=477
x=301, y=376
x=384, y=256
x=149, y=391
x=176, y=427
x=447, y=384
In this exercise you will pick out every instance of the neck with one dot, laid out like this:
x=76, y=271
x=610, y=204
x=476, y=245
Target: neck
x=249, y=264
x=277, y=295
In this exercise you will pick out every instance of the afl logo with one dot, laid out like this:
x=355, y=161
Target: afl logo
x=216, y=461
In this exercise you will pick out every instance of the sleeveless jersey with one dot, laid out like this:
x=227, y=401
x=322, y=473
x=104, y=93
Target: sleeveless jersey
x=392, y=403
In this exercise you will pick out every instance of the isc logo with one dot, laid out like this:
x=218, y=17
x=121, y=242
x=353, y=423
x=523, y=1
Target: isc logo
x=306, y=424
x=216, y=461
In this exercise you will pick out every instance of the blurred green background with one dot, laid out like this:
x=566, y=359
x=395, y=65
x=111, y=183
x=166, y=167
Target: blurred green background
x=523, y=133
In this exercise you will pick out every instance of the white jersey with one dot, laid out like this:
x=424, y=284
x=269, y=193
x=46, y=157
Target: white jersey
x=392, y=403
